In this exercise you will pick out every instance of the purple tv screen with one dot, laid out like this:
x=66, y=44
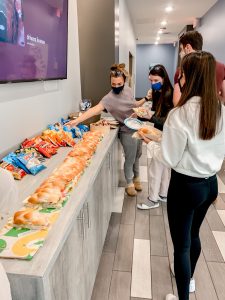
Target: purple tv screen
x=33, y=40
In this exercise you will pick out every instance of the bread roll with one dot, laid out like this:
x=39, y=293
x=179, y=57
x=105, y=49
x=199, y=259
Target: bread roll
x=28, y=218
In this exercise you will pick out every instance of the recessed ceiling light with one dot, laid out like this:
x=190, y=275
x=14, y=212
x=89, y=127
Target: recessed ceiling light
x=163, y=23
x=158, y=38
x=169, y=8
x=160, y=31
x=156, y=43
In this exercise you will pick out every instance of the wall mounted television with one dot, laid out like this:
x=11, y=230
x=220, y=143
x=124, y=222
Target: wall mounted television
x=33, y=40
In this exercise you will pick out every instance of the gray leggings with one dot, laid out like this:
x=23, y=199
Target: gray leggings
x=132, y=149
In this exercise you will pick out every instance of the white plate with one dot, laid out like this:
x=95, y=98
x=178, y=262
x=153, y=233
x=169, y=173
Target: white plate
x=133, y=123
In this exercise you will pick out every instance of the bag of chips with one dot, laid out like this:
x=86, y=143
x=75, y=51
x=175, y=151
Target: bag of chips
x=16, y=172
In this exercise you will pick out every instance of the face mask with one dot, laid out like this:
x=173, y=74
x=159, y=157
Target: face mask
x=118, y=89
x=157, y=86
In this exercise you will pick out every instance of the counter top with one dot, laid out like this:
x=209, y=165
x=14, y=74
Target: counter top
x=46, y=256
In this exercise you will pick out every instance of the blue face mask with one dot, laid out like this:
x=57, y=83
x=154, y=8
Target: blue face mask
x=157, y=86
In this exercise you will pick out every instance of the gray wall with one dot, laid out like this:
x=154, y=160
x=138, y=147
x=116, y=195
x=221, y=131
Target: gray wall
x=97, y=46
x=212, y=28
x=147, y=54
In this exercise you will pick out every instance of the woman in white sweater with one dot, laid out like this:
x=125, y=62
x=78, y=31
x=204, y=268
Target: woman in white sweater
x=193, y=146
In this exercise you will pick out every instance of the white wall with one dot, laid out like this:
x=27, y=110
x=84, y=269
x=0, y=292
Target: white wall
x=127, y=41
x=26, y=108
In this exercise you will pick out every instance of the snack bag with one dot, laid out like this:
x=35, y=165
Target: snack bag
x=16, y=172
x=37, y=154
x=30, y=162
x=12, y=159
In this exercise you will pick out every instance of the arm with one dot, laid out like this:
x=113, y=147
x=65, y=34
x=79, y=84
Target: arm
x=143, y=100
x=173, y=144
x=223, y=92
x=96, y=110
x=176, y=94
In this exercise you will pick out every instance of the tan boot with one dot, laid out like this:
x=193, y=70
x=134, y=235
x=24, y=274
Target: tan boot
x=130, y=190
x=137, y=184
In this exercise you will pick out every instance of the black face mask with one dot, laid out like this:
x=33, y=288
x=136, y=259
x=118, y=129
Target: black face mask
x=118, y=89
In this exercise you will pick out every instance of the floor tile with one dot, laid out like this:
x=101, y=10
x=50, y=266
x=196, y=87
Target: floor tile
x=141, y=270
x=103, y=278
x=112, y=235
x=124, y=251
x=220, y=240
x=217, y=271
x=205, y=289
x=161, y=279
x=221, y=213
x=118, y=203
x=221, y=185
x=120, y=286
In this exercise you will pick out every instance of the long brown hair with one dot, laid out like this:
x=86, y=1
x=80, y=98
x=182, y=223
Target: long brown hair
x=200, y=80
x=166, y=95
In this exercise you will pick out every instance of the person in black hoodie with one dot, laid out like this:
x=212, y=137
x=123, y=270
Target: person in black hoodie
x=162, y=103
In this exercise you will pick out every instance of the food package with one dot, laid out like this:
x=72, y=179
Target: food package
x=30, y=162
x=13, y=159
x=140, y=111
x=150, y=132
x=44, y=147
x=17, y=173
x=36, y=153
x=102, y=126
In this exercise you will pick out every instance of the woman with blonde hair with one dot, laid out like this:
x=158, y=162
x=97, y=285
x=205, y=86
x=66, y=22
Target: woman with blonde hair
x=120, y=103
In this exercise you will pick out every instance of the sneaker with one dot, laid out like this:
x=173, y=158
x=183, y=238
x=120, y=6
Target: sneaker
x=171, y=297
x=149, y=205
x=162, y=198
x=130, y=190
x=192, y=286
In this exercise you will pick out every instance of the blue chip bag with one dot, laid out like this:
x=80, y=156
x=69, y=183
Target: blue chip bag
x=83, y=128
x=13, y=159
x=31, y=162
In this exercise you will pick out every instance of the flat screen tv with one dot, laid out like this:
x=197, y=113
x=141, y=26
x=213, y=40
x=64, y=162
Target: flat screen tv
x=33, y=40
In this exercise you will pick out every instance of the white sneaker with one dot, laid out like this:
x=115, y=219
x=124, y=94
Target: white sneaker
x=192, y=286
x=149, y=205
x=171, y=297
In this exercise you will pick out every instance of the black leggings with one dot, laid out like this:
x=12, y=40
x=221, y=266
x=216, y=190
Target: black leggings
x=187, y=203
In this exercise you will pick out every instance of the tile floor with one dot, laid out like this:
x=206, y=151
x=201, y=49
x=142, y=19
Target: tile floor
x=138, y=250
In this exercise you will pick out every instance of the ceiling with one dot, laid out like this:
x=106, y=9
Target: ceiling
x=147, y=15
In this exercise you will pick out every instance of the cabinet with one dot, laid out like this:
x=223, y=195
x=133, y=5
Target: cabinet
x=65, y=267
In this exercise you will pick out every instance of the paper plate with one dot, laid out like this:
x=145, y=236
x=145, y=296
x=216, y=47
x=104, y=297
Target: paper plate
x=133, y=123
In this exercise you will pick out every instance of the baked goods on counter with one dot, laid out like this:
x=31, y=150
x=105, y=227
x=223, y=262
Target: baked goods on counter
x=28, y=218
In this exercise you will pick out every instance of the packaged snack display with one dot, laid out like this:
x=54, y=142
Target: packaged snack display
x=37, y=154
x=30, y=162
x=13, y=159
x=45, y=148
x=17, y=173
